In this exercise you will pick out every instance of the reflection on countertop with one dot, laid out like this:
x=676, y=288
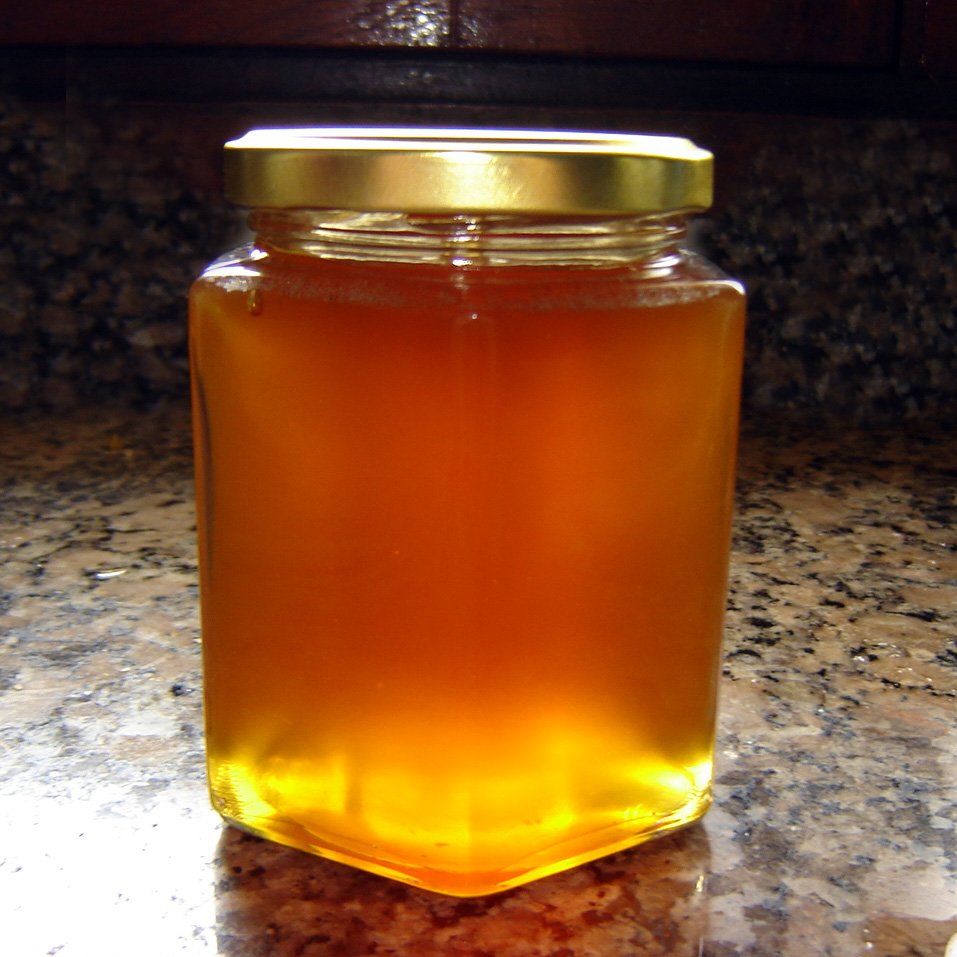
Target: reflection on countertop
x=833, y=830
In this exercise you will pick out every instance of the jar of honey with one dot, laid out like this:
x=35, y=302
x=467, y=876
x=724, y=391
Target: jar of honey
x=465, y=422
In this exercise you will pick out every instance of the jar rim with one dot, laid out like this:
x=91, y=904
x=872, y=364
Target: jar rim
x=445, y=170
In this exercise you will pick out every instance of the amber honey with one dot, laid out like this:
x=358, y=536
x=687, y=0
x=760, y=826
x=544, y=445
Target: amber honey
x=463, y=529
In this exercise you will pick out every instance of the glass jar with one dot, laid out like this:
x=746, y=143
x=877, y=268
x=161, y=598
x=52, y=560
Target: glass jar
x=465, y=420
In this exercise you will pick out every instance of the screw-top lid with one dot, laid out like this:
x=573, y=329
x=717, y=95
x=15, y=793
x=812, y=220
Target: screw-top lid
x=462, y=170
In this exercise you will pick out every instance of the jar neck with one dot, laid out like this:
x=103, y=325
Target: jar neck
x=469, y=241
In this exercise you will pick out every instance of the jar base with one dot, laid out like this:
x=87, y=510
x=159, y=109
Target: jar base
x=460, y=879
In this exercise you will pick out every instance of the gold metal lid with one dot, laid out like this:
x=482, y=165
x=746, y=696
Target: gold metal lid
x=463, y=170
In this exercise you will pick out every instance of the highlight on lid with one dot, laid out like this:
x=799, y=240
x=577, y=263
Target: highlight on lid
x=433, y=170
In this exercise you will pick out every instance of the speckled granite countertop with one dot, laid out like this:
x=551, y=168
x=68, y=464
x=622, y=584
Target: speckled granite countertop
x=833, y=831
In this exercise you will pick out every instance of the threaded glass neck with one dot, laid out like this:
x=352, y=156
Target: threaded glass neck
x=468, y=241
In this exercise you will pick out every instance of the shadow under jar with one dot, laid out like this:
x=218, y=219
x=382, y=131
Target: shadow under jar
x=465, y=421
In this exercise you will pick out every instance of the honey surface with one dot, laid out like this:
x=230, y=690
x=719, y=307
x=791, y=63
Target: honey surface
x=464, y=544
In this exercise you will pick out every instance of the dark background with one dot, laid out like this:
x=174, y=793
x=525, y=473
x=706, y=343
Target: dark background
x=834, y=125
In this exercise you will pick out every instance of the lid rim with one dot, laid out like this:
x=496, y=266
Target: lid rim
x=436, y=170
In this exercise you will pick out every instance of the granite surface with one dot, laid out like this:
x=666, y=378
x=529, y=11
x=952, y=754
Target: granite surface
x=833, y=831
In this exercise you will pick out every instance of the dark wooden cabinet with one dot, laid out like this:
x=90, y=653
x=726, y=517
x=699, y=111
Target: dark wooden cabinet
x=242, y=23
x=847, y=32
x=936, y=46
x=846, y=56
x=834, y=32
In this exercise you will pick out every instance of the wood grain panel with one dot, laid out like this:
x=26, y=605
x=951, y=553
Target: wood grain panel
x=809, y=32
x=414, y=81
x=253, y=23
x=813, y=32
x=939, y=52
